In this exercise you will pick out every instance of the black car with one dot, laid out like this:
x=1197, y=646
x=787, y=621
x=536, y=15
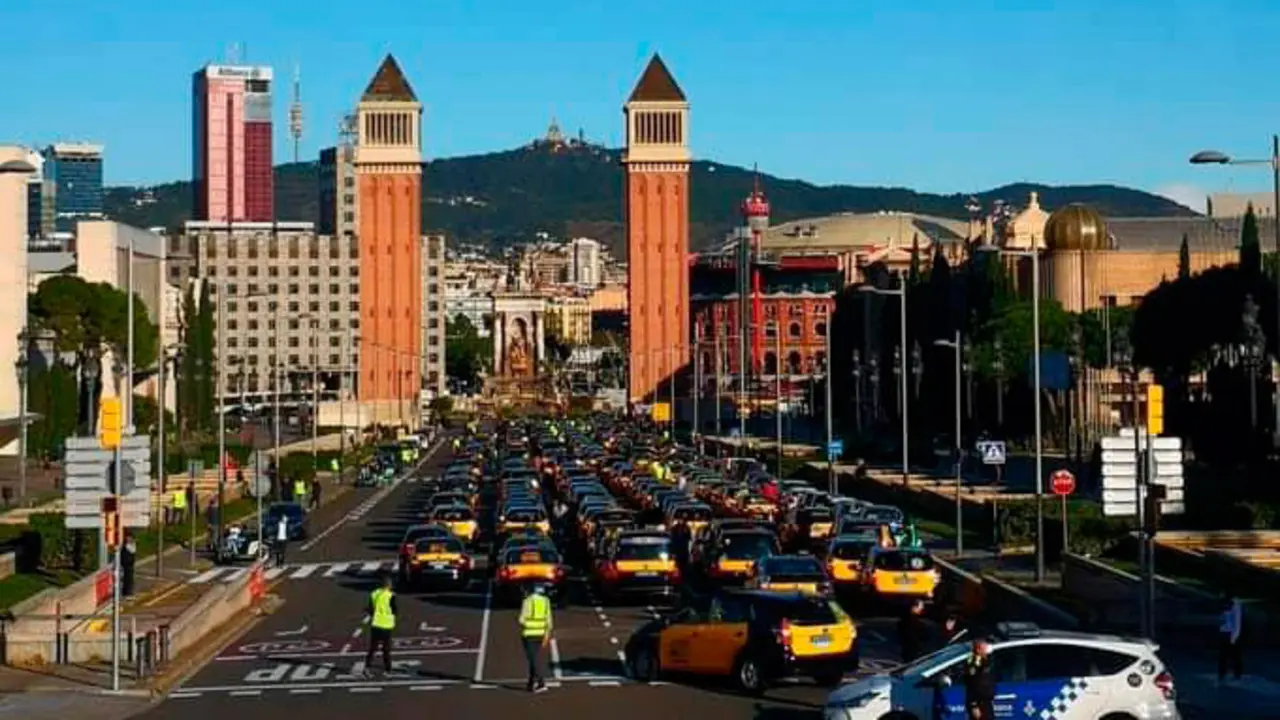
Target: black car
x=293, y=513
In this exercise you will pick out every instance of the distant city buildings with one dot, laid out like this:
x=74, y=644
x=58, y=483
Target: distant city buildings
x=71, y=187
x=232, y=148
x=585, y=264
x=434, y=309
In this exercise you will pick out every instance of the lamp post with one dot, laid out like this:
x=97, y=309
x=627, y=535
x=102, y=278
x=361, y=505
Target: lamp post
x=1033, y=252
x=901, y=293
x=1128, y=367
x=21, y=365
x=1214, y=157
x=1255, y=348
x=958, y=347
x=857, y=392
x=997, y=368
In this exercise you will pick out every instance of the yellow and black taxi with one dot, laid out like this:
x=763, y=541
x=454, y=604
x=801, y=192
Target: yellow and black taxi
x=900, y=573
x=751, y=636
x=520, y=567
x=460, y=520
x=636, y=563
x=733, y=556
x=448, y=498
x=845, y=555
x=409, y=542
x=807, y=527
x=757, y=506
x=436, y=562
x=693, y=515
x=518, y=539
x=791, y=573
x=523, y=517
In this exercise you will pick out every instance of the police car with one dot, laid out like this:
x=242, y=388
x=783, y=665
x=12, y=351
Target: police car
x=1040, y=675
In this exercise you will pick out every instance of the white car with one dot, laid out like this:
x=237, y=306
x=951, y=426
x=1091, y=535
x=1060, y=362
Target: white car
x=1040, y=675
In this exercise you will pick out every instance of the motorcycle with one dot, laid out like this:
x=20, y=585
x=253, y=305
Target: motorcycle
x=237, y=545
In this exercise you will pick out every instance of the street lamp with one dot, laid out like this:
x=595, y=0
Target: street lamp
x=1214, y=157
x=901, y=293
x=958, y=347
x=1255, y=347
x=1033, y=252
x=20, y=365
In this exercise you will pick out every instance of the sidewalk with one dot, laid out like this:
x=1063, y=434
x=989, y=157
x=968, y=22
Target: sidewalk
x=1256, y=696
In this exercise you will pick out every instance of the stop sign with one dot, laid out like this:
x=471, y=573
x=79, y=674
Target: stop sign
x=1064, y=483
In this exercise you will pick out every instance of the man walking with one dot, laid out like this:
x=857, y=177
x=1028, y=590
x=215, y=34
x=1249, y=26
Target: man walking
x=382, y=620
x=535, y=633
x=315, y=493
x=1229, y=655
x=280, y=535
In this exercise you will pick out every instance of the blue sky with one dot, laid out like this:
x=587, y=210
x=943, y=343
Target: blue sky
x=937, y=95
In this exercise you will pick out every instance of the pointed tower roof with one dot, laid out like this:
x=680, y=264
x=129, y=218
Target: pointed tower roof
x=389, y=84
x=656, y=84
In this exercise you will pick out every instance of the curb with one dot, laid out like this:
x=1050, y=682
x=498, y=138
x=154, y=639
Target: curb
x=213, y=643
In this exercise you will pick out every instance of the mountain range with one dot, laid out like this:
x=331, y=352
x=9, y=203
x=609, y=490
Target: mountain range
x=507, y=197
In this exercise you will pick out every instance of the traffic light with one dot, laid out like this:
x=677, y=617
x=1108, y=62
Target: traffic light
x=1153, y=502
x=111, y=521
x=1155, y=409
x=110, y=422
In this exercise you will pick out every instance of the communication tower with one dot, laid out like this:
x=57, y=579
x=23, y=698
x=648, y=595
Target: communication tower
x=295, y=112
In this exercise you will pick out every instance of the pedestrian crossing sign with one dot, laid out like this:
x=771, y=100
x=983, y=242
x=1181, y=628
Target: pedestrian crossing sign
x=992, y=452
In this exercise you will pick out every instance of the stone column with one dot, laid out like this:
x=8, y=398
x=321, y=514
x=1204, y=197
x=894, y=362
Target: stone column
x=499, y=342
x=538, y=338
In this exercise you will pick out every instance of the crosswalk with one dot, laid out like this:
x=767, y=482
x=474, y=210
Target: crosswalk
x=300, y=571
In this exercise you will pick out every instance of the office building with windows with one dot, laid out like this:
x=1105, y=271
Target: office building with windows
x=232, y=161
x=71, y=186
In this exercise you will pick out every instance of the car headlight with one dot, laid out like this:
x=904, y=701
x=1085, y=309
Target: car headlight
x=853, y=702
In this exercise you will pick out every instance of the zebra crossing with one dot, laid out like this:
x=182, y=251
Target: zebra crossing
x=300, y=571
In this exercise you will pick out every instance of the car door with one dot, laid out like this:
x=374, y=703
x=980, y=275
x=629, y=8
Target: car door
x=1008, y=666
x=677, y=640
x=721, y=638
x=1063, y=680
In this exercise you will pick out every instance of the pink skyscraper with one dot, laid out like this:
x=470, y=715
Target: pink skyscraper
x=231, y=108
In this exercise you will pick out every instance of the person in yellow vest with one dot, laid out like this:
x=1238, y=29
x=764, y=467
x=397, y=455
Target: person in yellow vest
x=382, y=621
x=178, y=506
x=535, y=634
x=300, y=491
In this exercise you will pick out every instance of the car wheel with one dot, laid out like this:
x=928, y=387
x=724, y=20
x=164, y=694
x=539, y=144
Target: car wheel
x=643, y=664
x=749, y=676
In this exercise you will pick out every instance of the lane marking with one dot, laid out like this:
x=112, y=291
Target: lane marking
x=316, y=686
x=306, y=691
x=622, y=658
x=356, y=633
x=181, y=695
x=484, y=632
x=365, y=689
x=357, y=653
x=613, y=640
x=245, y=693
x=207, y=575
x=157, y=599
x=556, y=671
x=418, y=688
x=604, y=683
x=371, y=567
x=304, y=571
x=477, y=686
x=369, y=503
x=335, y=569
x=607, y=624
x=346, y=647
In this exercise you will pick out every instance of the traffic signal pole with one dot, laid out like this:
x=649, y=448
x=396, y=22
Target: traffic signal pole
x=115, y=531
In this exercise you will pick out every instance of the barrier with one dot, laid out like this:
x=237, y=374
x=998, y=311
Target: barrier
x=217, y=606
x=960, y=590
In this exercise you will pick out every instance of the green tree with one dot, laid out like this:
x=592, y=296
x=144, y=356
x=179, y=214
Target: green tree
x=1250, y=249
x=188, y=389
x=1184, y=259
x=205, y=369
x=51, y=393
x=913, y=272
x=467, y=354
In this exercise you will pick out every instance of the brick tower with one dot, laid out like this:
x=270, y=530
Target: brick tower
x=388, y=167
x=656, y=165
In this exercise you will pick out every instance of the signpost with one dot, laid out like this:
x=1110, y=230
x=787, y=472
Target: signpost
x=1063, y=484
x=992, y=451
x=835, y=450
x=194, y=468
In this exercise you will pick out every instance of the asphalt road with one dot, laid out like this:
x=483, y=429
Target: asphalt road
x=456, y=653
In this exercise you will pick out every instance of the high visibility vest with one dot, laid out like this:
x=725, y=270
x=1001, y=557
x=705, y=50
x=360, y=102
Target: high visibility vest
x=333, y=465
x=179, y=499
x=535, y=616
x=299, y=487
x=383, y=618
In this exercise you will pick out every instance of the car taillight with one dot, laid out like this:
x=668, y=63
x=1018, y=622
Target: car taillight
x=464, y=562
x=506, y=573
x=784, y=634
x=1164, y=681
x=559, y=572
x=406, y=549
x=610, y=570
x=675, y=573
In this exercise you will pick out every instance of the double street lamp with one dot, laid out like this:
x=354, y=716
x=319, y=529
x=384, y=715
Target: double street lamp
x=901, y=293
x=959, y=348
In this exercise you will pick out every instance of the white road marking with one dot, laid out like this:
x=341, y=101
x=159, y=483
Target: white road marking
x=343, y=653
x=306, y=691
x=365, y=689
x=607, y=623
x=613, y=640
x=316, y=686
x=371, y=567
x=622, y=658
x=335, y=569
x=274, y=573
x=874, y=635
x=555, y=660
x=245, y=693
x=484, y=632
x=206, y=576
x=304, y=571
x=181, y=695
x=478, y=686
x=418, y=688
x=604, y=683
x=346, y=647
x=356, y=633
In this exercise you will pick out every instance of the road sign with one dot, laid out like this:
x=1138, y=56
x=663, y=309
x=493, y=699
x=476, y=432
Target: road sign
x=110, y=422
x=1063, y=482
x=194, y=468
x=88, y=469
x=1129, y=495
x=1155, y=408
x=1127, y=457
x=1131, y=509
x=660, y=412
x=835, y=449
x=992, y=451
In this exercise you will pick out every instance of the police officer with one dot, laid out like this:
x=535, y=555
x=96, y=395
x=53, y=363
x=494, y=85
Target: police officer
x=382, y=621
x=979, y=683
x=535, y=633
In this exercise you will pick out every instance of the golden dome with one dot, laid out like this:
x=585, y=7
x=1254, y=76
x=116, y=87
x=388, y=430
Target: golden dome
x=1076, y=227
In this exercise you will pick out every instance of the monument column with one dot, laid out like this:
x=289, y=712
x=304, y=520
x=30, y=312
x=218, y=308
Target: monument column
x=499, y=342
x=538, y=338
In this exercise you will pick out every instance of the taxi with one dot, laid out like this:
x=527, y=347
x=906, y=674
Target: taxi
x=791, y=573
x=900, y=573
x=409, y=542
x=459, y=520
x=845, y=555
x=755, y=638
x=438, y=561
x=734, y=556
x=523, y=518
x=448, y=498
x=809, y=526
x=693, y=516
x=757, y=506
x=521, y=567
x=637, y=563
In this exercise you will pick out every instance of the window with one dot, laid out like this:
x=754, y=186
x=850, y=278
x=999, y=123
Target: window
x=231, y=324
x=314, y=288
x=253, y=271
x=771, y=330
x=770, y=363
x=293, y=288
x=273, y=271
x=334, y=271
x=793, y=331
x=820, y=329
x=1047, y=662
x=335, y=307
x=314, y=271
x=293, y=271
x=233, y=271
x=334, y=289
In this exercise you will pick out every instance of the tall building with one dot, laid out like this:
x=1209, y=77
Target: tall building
x=339, y=210
x=231, y=106
x=433, y=316
x=72, y=184
x=584, y=262
x=656, y=167
x=389, y=192
x=14, y=172
x=40, y=197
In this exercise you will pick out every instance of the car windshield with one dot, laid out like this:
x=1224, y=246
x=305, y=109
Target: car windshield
x=646, y=548
x=437, y=546
x=531, y=555
x=753, y=545
x=924, y=665
x=524, y=515
x=783, y=568
x=694, y=514
x=454, y=514
x=851, y=550
x=903, y=562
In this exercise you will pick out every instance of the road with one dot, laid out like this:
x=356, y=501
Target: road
x=458, y=652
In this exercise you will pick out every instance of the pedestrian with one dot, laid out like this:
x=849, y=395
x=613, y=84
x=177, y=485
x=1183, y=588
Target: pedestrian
x=535, y=634
x=1229, y=632
x=979, y=683
x=911, y=631
x=280, y=536
x=315, y=493
x=382, y=621
x=193, y=500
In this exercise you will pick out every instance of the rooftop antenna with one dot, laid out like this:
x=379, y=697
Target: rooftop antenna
x=295, y=112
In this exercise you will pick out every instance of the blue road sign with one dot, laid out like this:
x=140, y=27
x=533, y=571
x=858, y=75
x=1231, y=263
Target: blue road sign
x=835, y=449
